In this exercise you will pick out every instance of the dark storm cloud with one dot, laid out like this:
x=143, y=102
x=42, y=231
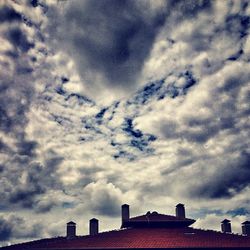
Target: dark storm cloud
x=4, y=148
x=229, y=182
x=44, y=207
x=24, y=182
x=26, y=147
x=14, y=226
x=5, y=120
x=107, y=206
x=110, y=37
x=25, y=195
x=34, y=3
x=5, y=230
x=12, y=111
x=103, y=198
x=113, y=38
x=238, y=24
x=7, y=14
x=16, y=94
x=18, y=38
x=200, y=129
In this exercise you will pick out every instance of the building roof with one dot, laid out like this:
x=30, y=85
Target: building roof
x=142, y=238
x=154, y=216
x=151, y=230
x=156, y=219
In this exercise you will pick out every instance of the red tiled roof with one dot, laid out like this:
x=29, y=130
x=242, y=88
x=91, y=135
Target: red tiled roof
x=143, y=238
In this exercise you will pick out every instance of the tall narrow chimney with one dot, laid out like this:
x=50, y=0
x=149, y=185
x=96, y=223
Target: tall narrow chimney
x=93, y=226
x=180, y=211
x=125, y=213
x=71, y=229
x=226, y=226
x=246, y=228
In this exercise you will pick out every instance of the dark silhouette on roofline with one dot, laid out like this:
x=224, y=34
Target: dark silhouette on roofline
x=151, y=230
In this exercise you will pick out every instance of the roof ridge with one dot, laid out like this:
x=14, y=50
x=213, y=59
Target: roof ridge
x=216, y=231
x=159, y=214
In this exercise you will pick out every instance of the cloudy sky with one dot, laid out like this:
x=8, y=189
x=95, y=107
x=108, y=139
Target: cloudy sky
x=105, y=102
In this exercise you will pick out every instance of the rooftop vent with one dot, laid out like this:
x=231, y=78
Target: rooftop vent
x=154, y=213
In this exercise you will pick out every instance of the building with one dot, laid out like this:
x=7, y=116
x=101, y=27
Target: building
x=151, y=230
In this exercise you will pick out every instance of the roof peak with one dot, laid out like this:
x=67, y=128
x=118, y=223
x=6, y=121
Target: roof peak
x=156, y=219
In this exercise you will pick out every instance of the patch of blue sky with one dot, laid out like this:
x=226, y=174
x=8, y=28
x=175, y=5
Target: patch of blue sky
x=68, y=205
x=121, y=154
x=80, y=98
x=61, y=120
x=129, y=128
x=90, y=124
x=190, y=79
x=113, y=108
x=59, y=90
x=238, y=211
x=146, y=94
x=235, y=56
x=99, y=116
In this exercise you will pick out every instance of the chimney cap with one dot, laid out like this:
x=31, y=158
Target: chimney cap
x=247, y=222
x=180, y=205
x=93, y=219
x=125, y=205
x=225, y=221
x=71, y=223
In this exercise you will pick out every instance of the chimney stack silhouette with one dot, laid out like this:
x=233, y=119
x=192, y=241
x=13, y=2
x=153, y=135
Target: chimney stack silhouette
x=226, y=226
x=246, y=228
x=180, y=211
x=71, y=230
x=125, y=213
x=93, y=226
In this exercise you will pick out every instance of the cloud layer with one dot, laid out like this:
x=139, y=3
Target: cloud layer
x=71, y=149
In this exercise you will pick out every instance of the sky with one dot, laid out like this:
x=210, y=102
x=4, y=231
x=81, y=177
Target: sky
x=106, y=102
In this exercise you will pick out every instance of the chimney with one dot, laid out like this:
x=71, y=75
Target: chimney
x=226, y=226
x=180, y=211
x=246, y=228
x=125, y=213
x=71, y=230
x=93, y=226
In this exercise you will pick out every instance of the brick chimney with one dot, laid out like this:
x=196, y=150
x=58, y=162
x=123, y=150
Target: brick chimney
x=93, y=226
x=125, y=213
x=226, y=226
x=71, y=230
x=246, y=228
x=180, y=211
